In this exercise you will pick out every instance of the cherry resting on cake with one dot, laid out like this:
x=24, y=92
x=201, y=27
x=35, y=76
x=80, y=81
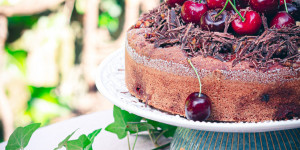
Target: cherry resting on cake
x=211, y=23
x=172, y=3
x=292, y=9
x=265, y=6
x=282, y=19
x=197, y=105
x=192, y=11
x=250, y=26
x=242, y=26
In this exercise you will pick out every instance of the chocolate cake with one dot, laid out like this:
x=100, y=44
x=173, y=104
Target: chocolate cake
x=248, y=78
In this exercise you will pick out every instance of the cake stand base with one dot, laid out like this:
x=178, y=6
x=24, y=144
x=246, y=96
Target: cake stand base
x=190, y=139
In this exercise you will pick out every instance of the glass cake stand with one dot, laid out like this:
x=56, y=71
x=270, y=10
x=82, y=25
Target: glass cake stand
x=194, y=134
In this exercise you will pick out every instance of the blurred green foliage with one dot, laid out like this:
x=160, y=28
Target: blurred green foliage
x=111, y=16
x=1, y=132
x=109, y=22
x=17, y=58
x=17, y=24
x=45, y=103
x=41, y=98
x=45, y=96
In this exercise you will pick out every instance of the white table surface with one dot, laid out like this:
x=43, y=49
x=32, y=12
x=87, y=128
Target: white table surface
x=48, y=137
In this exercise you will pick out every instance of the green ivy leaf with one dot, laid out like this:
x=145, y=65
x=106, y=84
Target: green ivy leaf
x=20, y=137
x=138, y=127
x=118, y=129
x=80, y=144
x=64, y=142
x=91, y=137
x=120, y=126
x=170, y=130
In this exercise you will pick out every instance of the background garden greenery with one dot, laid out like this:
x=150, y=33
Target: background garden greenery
x=45, y=99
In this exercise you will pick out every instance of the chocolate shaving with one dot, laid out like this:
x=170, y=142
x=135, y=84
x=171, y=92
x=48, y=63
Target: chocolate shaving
x=264, y=21
x=227, y=23
x=273, y=46
x=183, y=39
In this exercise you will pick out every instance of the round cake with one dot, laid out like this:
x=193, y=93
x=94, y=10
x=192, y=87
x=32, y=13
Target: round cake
x=243, y=78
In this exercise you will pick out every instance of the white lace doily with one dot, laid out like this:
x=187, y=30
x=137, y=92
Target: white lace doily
x=110, y=82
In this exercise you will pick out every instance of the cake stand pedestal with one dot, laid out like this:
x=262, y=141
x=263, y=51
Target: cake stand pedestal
x=190, y=139
x=110, y=81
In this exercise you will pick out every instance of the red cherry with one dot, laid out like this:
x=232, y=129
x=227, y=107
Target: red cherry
x=250, y=26
x=192, y=11
x=197, y=108
x=210, y=23
x=265, y=6
x=282, y=2
x=293, y=10
x=282, y=19
x=213, y=4
x=172, y=3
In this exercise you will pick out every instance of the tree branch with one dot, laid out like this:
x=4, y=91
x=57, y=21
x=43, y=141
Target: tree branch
x=28, y=7
x=5, y=109
x=90, y=26
x=68, y=8
x=3, y=34
x=131, y=16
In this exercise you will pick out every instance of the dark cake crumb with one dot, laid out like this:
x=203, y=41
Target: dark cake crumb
x=139, y=90
x=265, y=98
x=287, y=111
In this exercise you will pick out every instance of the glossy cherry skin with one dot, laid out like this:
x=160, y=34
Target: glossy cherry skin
x=213, y=4
x=282, y=19
x=250, y=26
x=209, y=23
x=281, y=2
x=293, y=10
x=172, y=3
x=197, y=108
x=192, y=11
x=265, y=6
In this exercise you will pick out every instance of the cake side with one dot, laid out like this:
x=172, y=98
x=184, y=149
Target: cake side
x=174, y=60
x=162, y=78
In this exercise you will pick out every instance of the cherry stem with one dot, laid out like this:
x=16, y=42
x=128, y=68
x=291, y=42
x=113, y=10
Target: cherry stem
x=243, y=19
x=222, y=9
x=128, y=141
x=200, y=1
x=234, y=3
x=190, y=62
x=233, y=6
x=285, y=6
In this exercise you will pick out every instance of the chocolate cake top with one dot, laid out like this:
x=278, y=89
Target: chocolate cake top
x=271, y=47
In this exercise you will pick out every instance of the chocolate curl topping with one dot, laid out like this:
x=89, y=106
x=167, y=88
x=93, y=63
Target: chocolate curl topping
x=271, y=47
